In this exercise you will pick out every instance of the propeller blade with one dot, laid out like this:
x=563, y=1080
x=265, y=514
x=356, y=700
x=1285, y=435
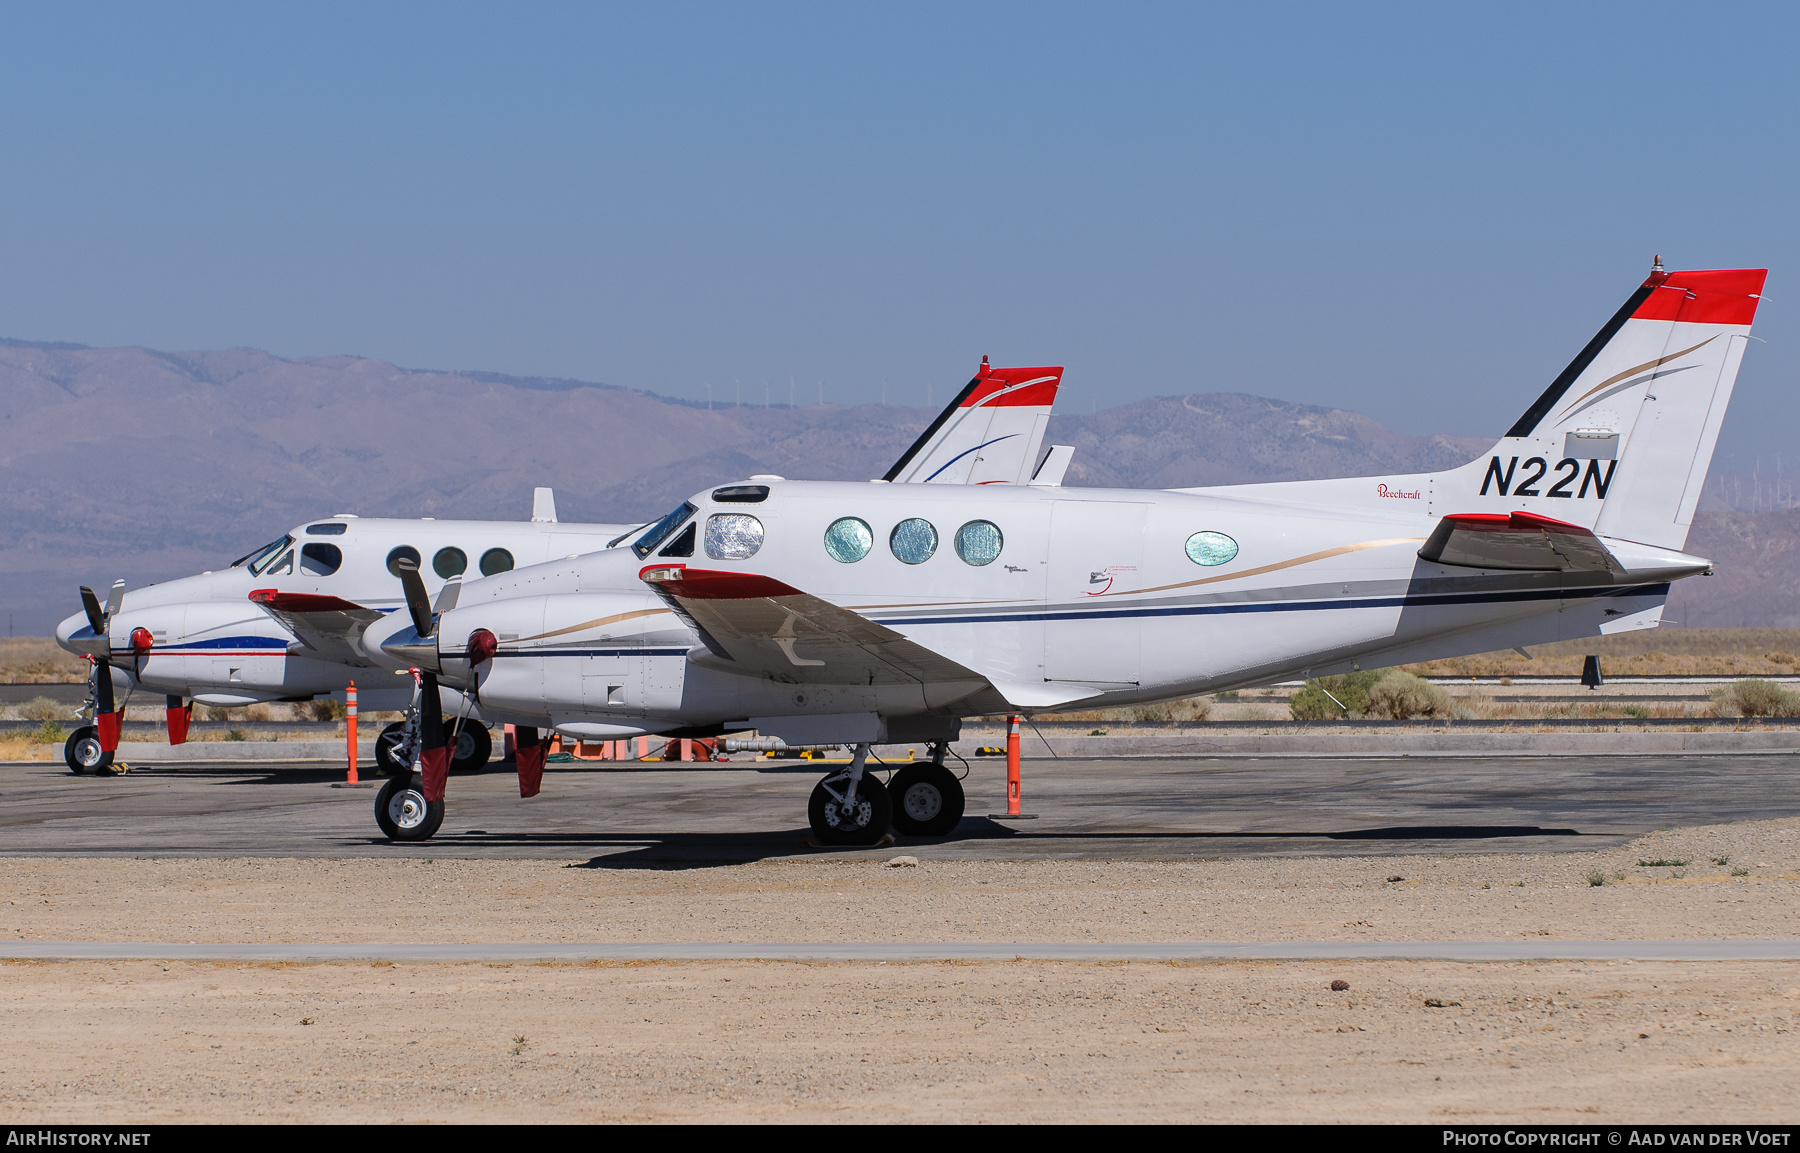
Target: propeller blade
x=418, y=601
x=115, y=598
x=448, y=594
x=91, y=605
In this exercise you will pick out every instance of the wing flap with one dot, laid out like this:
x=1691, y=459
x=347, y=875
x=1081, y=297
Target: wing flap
x=1519, y=541
x=328, y=626
x=767, y=628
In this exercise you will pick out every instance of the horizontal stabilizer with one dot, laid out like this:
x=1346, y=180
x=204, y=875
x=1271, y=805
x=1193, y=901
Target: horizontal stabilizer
x=1519, y=540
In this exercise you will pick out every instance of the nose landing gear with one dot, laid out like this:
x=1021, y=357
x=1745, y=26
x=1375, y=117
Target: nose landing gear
x=403, y=812
x=83, y=754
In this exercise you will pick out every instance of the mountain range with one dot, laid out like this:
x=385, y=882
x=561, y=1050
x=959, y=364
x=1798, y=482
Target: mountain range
x=147, y=465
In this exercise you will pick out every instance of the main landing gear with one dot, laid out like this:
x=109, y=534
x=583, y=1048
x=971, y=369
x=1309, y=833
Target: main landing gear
x=397, y=748
x=850, y=808
x=927, y=799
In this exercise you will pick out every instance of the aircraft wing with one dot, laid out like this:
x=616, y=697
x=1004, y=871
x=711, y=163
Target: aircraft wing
x=766, y=628
x=328, y=626
x=1519, y=540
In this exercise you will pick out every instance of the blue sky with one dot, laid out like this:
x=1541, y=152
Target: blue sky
x=1419, y=212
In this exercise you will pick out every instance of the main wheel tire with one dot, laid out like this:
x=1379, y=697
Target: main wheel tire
x=927, y=800
x=83, y=754
x=387, y=750
x=403, y=812
x=474, y=746
x=863, y=823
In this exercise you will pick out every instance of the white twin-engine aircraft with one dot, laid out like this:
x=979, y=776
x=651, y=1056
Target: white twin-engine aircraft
x=287, y=621
x=871, y=613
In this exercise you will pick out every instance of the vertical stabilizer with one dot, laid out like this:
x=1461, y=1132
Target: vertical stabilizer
x=1621, y=440
x=990, y=434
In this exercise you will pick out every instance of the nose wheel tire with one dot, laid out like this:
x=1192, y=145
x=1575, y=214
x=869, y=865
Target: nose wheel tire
x=403, y=812
x=927, y=800
x=474, y=745
x=83, y=754
x=862, y=823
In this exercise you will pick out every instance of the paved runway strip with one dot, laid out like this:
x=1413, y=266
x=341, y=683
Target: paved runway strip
x=525, y=954
x=632, y=815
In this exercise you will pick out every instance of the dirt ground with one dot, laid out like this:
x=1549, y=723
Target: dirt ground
x=1015, y=1041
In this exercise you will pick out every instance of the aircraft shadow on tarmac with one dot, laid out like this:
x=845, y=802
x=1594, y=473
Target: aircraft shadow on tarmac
x=674, y=851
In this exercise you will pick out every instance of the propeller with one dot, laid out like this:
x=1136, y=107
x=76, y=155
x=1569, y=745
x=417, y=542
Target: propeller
x=106, y=715
x=99, y=620
x=91, y=603
x=420, y=649
x=418, y=601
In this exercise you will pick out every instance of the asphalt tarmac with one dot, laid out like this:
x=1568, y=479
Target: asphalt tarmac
x=625, y=815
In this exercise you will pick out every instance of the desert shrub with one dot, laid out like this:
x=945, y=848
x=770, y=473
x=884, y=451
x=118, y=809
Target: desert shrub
x=1351, y=690
x=258, y=713
x=1752, y=697
x=48, y=733
x=1398, y=696
x=237, y=735
x=1778, y=657
x=41, y=709
x=213, y=713
x=324, y=709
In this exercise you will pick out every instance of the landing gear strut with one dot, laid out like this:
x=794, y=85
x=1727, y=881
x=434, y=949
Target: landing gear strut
x=927, y=799
x=410, y=806
x=847, y=808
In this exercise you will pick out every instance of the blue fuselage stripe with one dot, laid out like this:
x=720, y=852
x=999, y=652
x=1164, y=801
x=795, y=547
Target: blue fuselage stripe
x=1282, y=606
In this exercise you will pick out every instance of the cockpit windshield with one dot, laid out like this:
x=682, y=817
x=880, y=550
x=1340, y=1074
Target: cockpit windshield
x=659, y=532
x=263, y=557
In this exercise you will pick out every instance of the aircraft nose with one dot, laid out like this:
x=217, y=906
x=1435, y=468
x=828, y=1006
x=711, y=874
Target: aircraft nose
x=77, y=636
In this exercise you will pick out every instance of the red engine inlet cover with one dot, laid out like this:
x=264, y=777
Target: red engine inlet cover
x=482, y=646
x=141, y=640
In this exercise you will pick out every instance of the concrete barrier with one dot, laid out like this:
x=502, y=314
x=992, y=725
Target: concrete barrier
x=147, y=752
x=1388, y=744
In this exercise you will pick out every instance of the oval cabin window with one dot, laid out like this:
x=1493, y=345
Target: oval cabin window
x=849, y=539
x=1211, y=548
x=913, y=541
x=979, y=542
